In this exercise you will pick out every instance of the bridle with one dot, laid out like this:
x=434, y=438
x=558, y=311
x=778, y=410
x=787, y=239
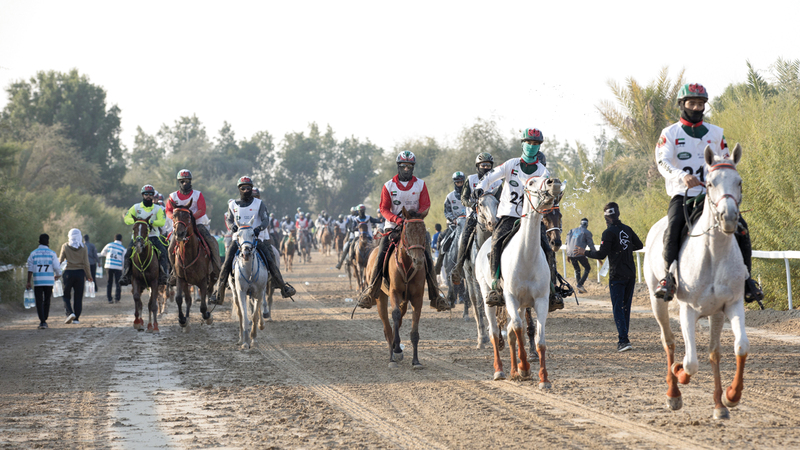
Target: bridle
x=714, y=204
x=137, y=263
x=542, y=195
x=252, y=245
x=186, y=226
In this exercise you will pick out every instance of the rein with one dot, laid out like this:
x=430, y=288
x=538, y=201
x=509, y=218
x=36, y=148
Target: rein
x=180, y=249
x=406, y=247
x=714, y=205
x=539, y=195
x=149, y=249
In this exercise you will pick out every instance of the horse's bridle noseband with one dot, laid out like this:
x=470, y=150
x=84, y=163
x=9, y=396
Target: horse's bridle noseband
x=540, y=193
x=189, y=231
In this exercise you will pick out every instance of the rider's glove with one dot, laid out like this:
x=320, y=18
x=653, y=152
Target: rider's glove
x=257, y=230
x=235, y=228
x=477, y=193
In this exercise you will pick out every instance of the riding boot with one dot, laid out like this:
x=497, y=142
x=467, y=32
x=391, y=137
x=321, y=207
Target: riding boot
x=438, y=300
x=556, y=301
x=443, y=248
x=126, y=269
x=672, y=244
x=368, y=296
x=218, y=297
x=272, y=265
x=344, y=254
x=463, y=248
x=215, y=259
x=752, y=290
x=163, y=261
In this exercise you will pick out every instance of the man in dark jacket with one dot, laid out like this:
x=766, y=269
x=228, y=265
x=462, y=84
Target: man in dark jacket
x=618, y=244
x=581, y=238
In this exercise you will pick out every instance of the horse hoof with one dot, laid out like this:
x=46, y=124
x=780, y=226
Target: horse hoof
x=545, y=385
x=155, y=328
x=185, y=328
x=266, y=315
x=466, y=317
x=525, y=374
x=397, y=357
x=417, y=366
x=209, y=321
x=533, y=356
x=721, y=413
x=499, y=376
x=674, y=403
x=393, y=365
x=261, y=325
x=149, y=327
x=727, y=402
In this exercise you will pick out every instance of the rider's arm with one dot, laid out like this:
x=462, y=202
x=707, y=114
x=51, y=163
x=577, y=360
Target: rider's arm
x=130, y=216
x=229, y=218
x=498, y=173
x=448, y=210
x=605, y=246
x=169, y=208
x=635, y=241
x=160, y=219
x=424, y=200
x=201, y=206
x=665, y=153
x=263, y=214
x=386, y=207
x=466, y=193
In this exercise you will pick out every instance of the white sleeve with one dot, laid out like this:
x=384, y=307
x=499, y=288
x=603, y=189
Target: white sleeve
x=665, y=152
x=498, y=173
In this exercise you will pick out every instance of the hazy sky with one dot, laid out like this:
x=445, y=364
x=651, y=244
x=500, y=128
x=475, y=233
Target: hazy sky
x=386, y=72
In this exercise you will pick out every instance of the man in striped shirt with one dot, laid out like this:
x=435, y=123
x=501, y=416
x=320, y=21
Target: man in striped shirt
x=114, y=253
x=44, y=269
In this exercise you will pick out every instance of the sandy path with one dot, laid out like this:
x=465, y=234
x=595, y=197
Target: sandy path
x=319, y=379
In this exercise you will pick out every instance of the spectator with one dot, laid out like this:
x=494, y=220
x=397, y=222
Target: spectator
x=114, y=252
x=580, y=237
x=44, y=268
x=435, y=239
x=618, y=243
x=74, y=252
x=93, y=258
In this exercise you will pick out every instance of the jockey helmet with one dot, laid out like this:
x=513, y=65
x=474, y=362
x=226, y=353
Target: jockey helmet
x=693, y=90
x=459, y=176
x=484, y=158
x=361, y=207
x=308, y=215
x=353, y=209
x=299, y=209
x=148, y=189
x=406, y=157
x=245, y=180
x=341, y=217
x=184, y=173
x=256, y=193
x=532, y=134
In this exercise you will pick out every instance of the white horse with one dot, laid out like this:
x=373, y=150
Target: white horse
x=249, y=285
x=487, y=219
x=526, y=280
x=455, y=292
x=710, y=274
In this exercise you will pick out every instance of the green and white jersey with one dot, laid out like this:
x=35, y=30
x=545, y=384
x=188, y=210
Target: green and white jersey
x=680, y=152
x=514, y=183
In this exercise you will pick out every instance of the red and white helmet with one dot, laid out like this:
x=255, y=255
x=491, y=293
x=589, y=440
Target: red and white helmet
x=406, y=157
x=184, y=173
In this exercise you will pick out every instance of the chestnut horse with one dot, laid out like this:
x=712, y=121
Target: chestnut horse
x=405, y=283
x=326, y=239
x=289, y=249
x=144, y=261
x=338, y=240
x=193, y=264
x=360, y=257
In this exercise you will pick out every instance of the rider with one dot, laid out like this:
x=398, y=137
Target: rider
x=154, y=214
x=181, y=198
x=681, y=161
x=484, y=162
x=361, y=217
x=403, y=190
x=240, y=212
x=299, y=214
x=515, y=172
x=302, y=225
x=453, y=209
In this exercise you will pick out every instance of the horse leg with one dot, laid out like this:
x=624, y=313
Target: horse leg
x=690, y=365
x=515, y=333
x=138, y=323
x=255, y=316
x=661, y=313
x=152, y=307
x=531, y=330
x=542, y=307
x=415, y=364
x=715, y=322
x=741, y=347
x=383, y=313
x=179, y=302
x=396, y=353
x=187, y=292
x=203, y=304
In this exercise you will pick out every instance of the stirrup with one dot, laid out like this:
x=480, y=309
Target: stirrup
x=752, y=291
x=288, y=290
x=124, y=281
x=666, y=288
x=556, y=302
x=495, y=298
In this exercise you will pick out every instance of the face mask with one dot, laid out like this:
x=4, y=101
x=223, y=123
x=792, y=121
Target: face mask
x=691, y=115
x=148, y=202
x=458, y=190
x=530, y=152
x=186, y=188
x=405, y=175
x=246, y=195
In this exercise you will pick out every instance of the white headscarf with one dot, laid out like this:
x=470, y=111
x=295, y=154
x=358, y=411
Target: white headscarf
x=75, y=238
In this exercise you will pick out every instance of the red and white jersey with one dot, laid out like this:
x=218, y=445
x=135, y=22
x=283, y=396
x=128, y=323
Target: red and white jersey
x=198, y=207
x=302, y=224
x=515, y=179
x=413, y=195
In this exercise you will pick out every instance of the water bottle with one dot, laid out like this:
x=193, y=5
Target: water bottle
x=604, y=269
x=99, y=272
x=58, y=288
x=88, y=289
x=29, y=299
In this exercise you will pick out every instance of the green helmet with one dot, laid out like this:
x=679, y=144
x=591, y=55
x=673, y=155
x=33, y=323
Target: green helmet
x=532, y=134
x=694, y=90
x=459, y=176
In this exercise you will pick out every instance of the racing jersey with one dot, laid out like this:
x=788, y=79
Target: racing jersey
x=139, y=211
x=198, y=206
x=396, y=194
x=514, y=183
x=43, y=264
x=242, y=215
x=453, y=208
x=471, y=184
x=680, y=152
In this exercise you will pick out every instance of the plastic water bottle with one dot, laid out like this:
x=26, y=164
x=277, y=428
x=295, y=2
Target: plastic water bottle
x=58, y=288
x=88, y=289
x=99, y=272
x=348, y=299
x=604, y=269
x=29, y=298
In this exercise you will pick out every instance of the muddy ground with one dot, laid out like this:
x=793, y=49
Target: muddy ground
x=319, y=379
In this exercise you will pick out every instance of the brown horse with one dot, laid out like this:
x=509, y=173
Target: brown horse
x=144, y=262
x=289, y=249
x=404, y=284
x=326, y=240
x=192, y=265
x=166, y=294
x=338, y=240
x=361, y=256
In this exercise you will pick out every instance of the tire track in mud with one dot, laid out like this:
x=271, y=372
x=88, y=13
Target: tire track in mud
x=594, y=426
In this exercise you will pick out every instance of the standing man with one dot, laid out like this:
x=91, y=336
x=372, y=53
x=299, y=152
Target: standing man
x=44, y=269
x=680, y=159
x=114, y=253
x=580, y=237
x=618, y=244
x=182, y=197
x=93, y=258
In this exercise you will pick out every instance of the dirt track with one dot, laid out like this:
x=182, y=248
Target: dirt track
x=320, y=379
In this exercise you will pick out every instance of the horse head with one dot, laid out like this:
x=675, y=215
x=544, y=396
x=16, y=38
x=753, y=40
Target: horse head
x=363, y=229
x=487, y=211
x=552, y=224
x=141, y=228
x=413, y=237
x=724, y=188
x=542, y=193
x=183, y=219
x=246, y=239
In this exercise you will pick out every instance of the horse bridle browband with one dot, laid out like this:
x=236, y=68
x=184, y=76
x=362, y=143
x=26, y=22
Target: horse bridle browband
x=717, y=167
x=541, y=200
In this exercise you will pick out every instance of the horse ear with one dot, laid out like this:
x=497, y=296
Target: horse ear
x=709, y=155
x=422, y=216
x=737, y=153
x=404, y=212
x=172, y=203
x=189, y=205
